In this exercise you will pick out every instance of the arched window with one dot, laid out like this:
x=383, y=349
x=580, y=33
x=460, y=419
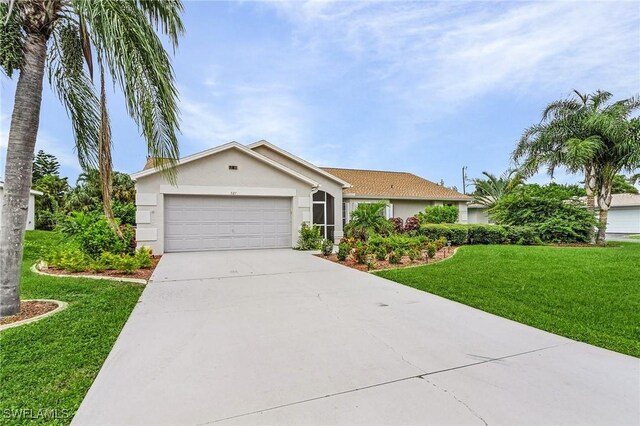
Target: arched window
x=324, y=213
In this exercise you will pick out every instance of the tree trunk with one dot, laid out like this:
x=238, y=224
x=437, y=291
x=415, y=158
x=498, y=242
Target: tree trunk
x=590, y=186
x=604, y=202
x=105, y=163
x=17, y=185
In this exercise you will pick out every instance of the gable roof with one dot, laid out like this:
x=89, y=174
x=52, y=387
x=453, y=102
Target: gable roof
x=382, y=184
x=221, y=148
x=299, y=160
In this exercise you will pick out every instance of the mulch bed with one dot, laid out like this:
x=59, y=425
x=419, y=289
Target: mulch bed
x=29, y=309
x=384, y=264
x=144, y=274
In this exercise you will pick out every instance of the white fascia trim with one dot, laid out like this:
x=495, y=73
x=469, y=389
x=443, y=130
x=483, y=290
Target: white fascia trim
x=227, y=190
x=289, y=155
x=230, y=145
x=347, y=196
x=31, y=191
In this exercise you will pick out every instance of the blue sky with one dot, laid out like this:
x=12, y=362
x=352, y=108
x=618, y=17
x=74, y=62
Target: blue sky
x=424, y=87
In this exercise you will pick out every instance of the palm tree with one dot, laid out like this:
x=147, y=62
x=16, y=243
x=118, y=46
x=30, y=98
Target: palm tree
x=490, y=190
x=64, y=37
x=589, y=135
x=368, y=217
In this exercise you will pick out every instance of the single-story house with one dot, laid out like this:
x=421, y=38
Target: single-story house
x=257, y=196
x=624, y=214
x=31, y=221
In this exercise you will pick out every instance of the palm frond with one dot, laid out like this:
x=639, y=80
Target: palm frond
x=11, y=40
x=70, y=82
x=123, y=35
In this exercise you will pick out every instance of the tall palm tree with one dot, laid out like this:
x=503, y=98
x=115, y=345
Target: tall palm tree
x=585, y=134
x=64, y=37
x=490, y=190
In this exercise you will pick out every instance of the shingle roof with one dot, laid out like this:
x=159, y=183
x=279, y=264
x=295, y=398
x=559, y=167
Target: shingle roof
x=622, y=200
x=381, y=184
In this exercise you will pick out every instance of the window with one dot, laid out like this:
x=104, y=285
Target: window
x=323, y=213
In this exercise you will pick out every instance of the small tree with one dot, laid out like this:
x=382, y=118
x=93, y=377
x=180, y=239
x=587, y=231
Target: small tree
x=44, y=164
x=489, y=190
x=369, y=217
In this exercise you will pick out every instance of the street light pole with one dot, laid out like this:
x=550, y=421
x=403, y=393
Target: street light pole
x=464, y=180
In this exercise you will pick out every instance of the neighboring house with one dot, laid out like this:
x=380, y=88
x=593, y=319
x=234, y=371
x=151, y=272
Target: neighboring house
x=31, y=212
x=478, y=213
x=257, y=196
x=624, y=214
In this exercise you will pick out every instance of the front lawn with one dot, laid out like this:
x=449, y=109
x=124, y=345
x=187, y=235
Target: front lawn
x=587, y=294
x=47, y=367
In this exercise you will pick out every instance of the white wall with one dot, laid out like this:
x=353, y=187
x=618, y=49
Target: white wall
x=211, y=176
x=478, y=215
x=31, y=221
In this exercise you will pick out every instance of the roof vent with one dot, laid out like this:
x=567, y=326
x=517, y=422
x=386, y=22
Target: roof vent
x=233, y=167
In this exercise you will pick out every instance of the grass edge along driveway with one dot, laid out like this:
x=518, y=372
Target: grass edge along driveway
x=47, y=367
x=589, y=294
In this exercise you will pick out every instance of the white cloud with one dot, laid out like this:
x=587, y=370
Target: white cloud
x=434, y=56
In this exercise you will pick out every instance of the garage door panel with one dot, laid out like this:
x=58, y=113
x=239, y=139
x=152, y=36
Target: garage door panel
x=223, y=223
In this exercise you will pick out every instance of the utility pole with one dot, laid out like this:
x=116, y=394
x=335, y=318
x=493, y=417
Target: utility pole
x=464, y=180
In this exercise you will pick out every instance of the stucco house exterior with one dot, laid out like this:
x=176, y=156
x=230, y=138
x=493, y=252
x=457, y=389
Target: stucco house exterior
x=257, y=196
x=31, y=212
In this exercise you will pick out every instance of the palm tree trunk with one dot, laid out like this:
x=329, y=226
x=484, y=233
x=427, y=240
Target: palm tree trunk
x=22, y=141
x=604, y=202
x=105, y=162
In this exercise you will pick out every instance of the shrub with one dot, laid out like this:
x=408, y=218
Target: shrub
x=343, y=251
x=94, y=235
x=144, y=257
x=523, y=235
x=412, y=224
x=326, y=247
x=360, y=252
x=457, y=234
x=368, y=218
x=439, y=214
x=310, y=237
x=549, y=210
x=380, y=253
x=395, y=257
x=486, y=234
x=431, y=250
x=126, y=212
x=398, y=226
x=414, y=254
x=68, y=257
x=440, y=243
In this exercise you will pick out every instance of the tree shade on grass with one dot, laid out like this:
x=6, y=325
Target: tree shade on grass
x=588, y=294
x=49, y=365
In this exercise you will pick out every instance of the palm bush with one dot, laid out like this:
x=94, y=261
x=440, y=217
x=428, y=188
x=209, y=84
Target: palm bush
x=368, y=218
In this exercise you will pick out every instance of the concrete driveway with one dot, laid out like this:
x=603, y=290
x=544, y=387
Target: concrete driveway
x=281, y=337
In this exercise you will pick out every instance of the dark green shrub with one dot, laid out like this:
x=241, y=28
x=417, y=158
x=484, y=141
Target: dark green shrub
x=94, y=235
x=523, y=235
x=126, y=212
x=455, y=233
x=438, y=214
x=549, y=210
x=343, y=251
x=380, y=253
x=310, y=237
x=486, y=234
x=368, y=218
x=326, y=247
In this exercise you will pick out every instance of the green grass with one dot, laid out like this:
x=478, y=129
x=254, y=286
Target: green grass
x=587, y=294
x=634, y=237
x=50, y=365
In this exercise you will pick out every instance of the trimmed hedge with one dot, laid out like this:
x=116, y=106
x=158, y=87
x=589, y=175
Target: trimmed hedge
x=461, y=234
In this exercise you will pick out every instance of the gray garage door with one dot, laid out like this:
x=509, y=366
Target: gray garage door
x=194, y=222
